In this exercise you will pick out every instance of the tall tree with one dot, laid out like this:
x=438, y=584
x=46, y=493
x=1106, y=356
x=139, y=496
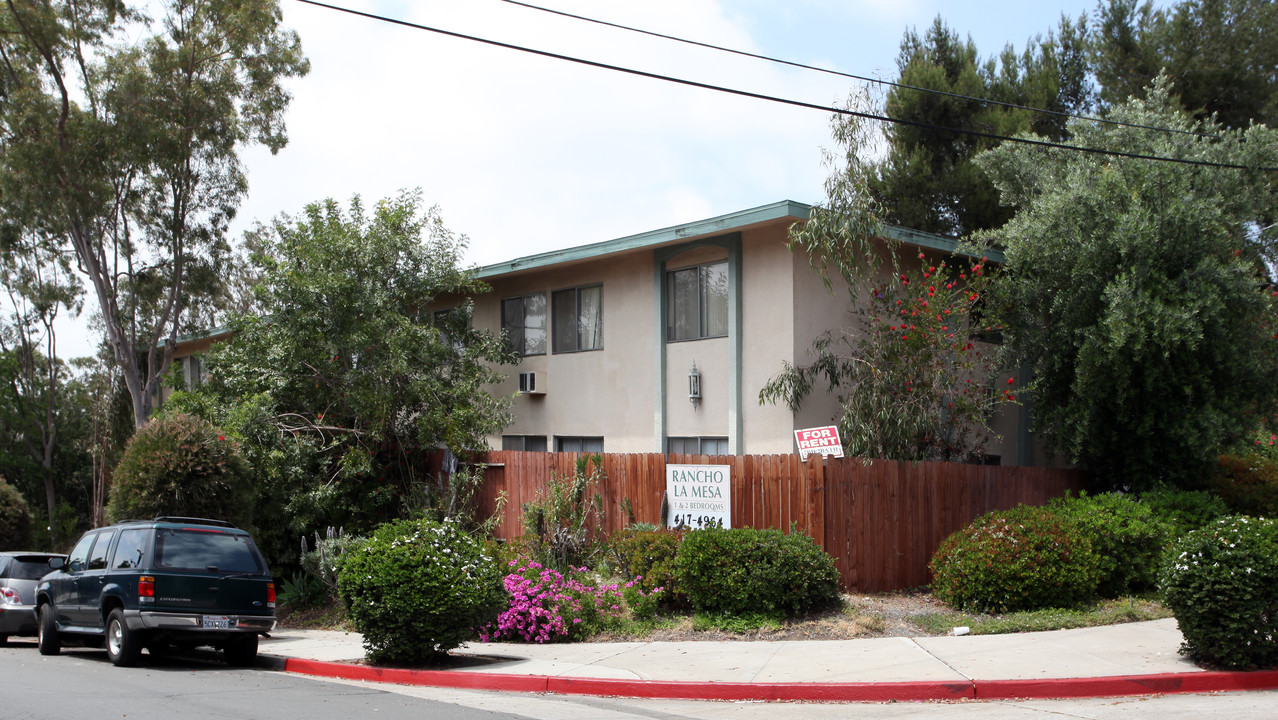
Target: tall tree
x=1141, y=292
x=128, y=152
x=1219, y=54
x=39, y=285
x=927, y=180
x=350, y=356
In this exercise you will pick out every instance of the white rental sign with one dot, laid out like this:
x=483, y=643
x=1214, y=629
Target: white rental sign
x=700, y=496
x=821, y=440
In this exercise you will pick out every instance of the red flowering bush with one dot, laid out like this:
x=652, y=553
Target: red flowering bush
x=546, y=606
x=1248, y=483
x=1026, y=558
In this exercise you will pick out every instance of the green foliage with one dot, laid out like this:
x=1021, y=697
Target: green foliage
x=300, y=591
x=913, y=378
x=1248, y=484
x=928, y=181
x=1134, y=291
x=1220, y=584
x=181, y=465
x=354, y=382
x=122, y=139
x=648, y=556
x=1127, y=535
x=562, y=520
x=1026, y=558
x=324, y=560
x=743, y=571
x=417, y=589
x=1184, y=510
x=15, y=519
x=1219, y=55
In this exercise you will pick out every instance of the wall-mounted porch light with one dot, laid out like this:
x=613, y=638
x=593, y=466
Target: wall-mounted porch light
x=694, y=386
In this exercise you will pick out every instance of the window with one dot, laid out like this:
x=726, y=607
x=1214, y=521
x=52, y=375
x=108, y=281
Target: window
x=193, y=369
x=79, y=556
x=524, y=321
x=578, y=319
x=131, y=548
x=98, y=558
x=579, y=444
x=697, y=302
x=205, y=551
x=697, y=445
x=525, y=443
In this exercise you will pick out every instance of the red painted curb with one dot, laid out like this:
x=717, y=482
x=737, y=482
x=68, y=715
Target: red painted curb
x=1126, y=685
x=777, y=692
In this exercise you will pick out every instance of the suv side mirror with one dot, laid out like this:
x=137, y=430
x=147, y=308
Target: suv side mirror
x=57, y=563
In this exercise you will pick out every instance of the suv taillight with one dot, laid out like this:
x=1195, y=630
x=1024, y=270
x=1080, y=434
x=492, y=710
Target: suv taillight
x=270, y=594
x=146, y=587
x=9, y=596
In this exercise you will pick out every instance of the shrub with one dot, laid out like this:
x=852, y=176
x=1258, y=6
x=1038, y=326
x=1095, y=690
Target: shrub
x=648, y=556
x=1126, y=534
x=180, y=465
x=1220, y=585
x=16, y=524
x=1026, y=558
x=1184, y=510
x=324, y=563
x=1248, y=484
x=546, y=606
x=743, y=571
x=417, y=589
x=562, y=519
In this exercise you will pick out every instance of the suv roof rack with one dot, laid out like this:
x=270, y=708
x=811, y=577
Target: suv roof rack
x=202, y=521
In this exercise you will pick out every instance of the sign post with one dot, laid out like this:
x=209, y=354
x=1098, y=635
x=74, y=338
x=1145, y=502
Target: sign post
x=700, y=496
x=820, y=440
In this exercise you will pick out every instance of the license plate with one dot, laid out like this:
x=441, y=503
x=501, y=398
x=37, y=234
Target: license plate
x=214, y=622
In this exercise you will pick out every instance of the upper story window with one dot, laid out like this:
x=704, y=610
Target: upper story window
x=579, y=444
x=697, y=445
x=578, y=319
x=697, y=302
x=524, y=321
x=524, y=443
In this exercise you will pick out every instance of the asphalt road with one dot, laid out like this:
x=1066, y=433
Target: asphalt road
x=82, y=684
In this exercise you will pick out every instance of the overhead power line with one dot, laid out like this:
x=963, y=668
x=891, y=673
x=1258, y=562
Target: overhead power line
x=785, y=101
x=862, y=78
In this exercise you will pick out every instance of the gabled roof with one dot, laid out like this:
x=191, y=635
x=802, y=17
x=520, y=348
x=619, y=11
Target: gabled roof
x=732, y=222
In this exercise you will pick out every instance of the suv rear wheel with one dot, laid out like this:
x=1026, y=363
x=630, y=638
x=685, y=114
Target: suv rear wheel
x=123, y=646
x=47, y=635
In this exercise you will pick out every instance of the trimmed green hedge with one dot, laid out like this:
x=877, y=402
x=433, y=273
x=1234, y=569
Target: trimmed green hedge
x=755, y=572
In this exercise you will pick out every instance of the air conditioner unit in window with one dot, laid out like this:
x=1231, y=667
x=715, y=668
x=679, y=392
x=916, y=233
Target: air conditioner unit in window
x=531, y=384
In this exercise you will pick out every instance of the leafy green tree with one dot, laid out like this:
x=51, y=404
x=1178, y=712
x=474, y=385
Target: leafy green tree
x=126, y=150
x=927, y=180
x=1219, y=54
x=351, y=359
x=914, y=375
x=1140, y=292
x=181, y=465
x=15, y=519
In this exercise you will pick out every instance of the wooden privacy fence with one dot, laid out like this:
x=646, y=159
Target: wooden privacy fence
x=880, y=520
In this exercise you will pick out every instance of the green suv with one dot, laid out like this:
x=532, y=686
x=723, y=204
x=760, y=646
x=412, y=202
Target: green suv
x=157, y=584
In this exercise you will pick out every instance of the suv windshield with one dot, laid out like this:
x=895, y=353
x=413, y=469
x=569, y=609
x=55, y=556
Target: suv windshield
x=205, y=550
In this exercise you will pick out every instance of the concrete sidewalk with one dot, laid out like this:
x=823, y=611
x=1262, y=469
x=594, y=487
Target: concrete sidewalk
x=1131, y=659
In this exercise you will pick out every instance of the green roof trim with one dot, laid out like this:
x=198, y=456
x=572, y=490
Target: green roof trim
x=712, y=226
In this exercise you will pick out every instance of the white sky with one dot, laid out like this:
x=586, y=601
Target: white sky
x=525, y=154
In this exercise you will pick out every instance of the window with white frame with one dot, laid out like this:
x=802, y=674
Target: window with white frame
x=524, y=321
x=697, y=445
x=578, y=319
x=697, y=302
x=565, y=443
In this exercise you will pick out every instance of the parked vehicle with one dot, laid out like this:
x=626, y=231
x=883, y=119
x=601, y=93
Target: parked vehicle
x=157, y=584
x=20, y=572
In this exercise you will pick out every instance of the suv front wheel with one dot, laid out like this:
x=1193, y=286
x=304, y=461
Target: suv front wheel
x=47, y=634
x=122, y=644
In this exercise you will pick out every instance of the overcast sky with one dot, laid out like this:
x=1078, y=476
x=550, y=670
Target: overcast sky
x=526, y=154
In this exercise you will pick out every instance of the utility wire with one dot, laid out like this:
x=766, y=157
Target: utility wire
x=944, y=93
x=786, y=101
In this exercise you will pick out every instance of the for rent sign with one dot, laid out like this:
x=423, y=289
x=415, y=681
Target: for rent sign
x=821, y=440
x=700, y=496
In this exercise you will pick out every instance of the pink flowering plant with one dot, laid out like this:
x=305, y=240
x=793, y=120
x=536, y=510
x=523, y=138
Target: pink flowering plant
x=547, y=606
